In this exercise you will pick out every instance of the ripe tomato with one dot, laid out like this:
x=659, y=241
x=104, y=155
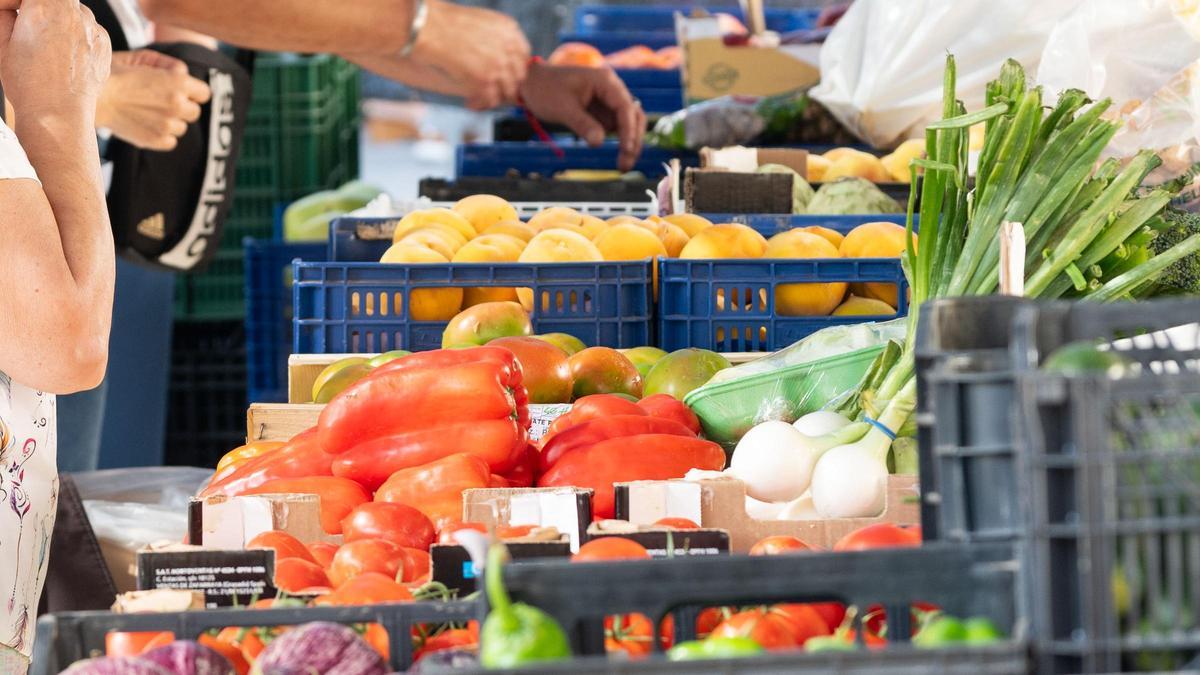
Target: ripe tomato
x=805, y=620
x=611, y=548
x=447, y=530
x=706, y=621
x=629, y=633
x=677, y=523
x=447, y=639
x=834, y=613
x=415, y=565
x=772, y=631
x=284, y=545
x=296, y=574
x=322, y=552
x=872, y=640
x=366, y=555
x=879, y=535
x=246, y=640
x=777, y=544
x=514, y=531
x=230, y=651
x=133, y=643
x=366, y=589
x=400, y=524
x=376, y=636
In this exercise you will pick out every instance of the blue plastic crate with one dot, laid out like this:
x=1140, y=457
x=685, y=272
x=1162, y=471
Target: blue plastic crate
x=660, y=91
x=363, y=307
x=269, y=314
x=770, y=224
x=661, y=18
x=345, y=246
x=729, y=305
x=608, y=43
x=497, y=159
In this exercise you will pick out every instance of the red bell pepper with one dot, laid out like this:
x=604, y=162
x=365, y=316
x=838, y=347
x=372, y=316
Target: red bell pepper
x=436, y=488
x=498, y=442
x=439, y=359
x=601, y=429
x=589, y=407
x=667, y=406
x=644, y=457
x=338, y=496
x=407, y=400
x=300, y=457
x=524, y=472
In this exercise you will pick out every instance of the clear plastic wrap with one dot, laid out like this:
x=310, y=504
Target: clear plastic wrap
x=817, y=373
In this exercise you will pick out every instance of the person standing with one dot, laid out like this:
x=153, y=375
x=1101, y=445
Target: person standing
x=56, y=279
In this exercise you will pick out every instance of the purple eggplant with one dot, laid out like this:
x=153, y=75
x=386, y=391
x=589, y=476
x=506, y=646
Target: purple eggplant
x=184, y=657
x=112, y=665
x=320, y=647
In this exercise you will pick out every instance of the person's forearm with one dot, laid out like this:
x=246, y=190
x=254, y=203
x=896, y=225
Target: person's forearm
x=408, y=72
x=65, y=156
x=375, y=26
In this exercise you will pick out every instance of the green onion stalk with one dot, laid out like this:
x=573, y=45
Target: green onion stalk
x=1087, y=226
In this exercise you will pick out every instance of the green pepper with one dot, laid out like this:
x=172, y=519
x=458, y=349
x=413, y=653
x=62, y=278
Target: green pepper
x=940, y=632
x=714, y=648
x=829, y=643
x=981, y=631
x=515, y=634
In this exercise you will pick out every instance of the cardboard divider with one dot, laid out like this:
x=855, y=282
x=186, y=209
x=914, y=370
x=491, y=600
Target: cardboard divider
x=279, y=421
x=569, y=510
x=224, y=522
x=713, y=68
x=721, y=503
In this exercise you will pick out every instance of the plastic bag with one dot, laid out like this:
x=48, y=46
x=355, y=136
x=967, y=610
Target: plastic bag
x=132, y=508
x=882, y=64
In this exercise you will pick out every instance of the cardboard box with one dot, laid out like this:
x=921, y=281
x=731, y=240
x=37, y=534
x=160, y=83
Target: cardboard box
x=713, y=68
x=746, y=160
x=569, y=510
x=720, y=191
x=721, y=503
x=158, y=600
x=280, y=421
x=219, y=522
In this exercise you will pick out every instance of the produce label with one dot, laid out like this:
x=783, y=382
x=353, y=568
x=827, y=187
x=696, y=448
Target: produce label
x=226, y=578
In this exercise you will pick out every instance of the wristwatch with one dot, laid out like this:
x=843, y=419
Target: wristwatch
x=420, y=16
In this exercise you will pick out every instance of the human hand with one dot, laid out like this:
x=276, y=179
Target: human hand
x=150, y=99
x=589, y=101
x=483, y=51
x=54, y=59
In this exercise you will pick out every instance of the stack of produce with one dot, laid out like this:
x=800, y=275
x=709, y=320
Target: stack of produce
x=556, y=367
x=636, y=57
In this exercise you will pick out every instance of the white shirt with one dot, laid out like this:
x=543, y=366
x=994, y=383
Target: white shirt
x=28, y=477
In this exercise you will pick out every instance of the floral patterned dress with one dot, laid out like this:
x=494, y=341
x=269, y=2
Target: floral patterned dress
x=28, y=502
x=28, y=482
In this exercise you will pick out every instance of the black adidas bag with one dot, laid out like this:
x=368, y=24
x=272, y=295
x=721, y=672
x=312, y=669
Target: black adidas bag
x=168, y=208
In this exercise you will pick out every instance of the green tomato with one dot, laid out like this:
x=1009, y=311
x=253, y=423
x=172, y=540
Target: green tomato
x=981, y=631
x=714, y=648
x=942, y=631
x=829, y=643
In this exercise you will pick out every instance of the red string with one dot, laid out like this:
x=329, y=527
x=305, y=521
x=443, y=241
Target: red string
x=536, y=124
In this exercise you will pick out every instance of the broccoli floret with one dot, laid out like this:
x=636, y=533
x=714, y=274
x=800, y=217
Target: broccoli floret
x=1182, y=278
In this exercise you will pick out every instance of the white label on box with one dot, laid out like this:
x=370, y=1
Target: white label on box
x=652, y=501
x=558, y=509
x=541, y=415
x=232, y=523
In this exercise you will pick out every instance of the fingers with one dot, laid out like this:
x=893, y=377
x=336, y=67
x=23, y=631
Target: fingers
x=628, y=114
x=196, y=90
x=583, y=124
x=156, y=59
x=186, y=109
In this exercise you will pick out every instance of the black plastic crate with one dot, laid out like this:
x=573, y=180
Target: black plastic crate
x=962, y=580
x=536, y=189
x=65, y=638
x=1110, y=480
x=206, y=411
